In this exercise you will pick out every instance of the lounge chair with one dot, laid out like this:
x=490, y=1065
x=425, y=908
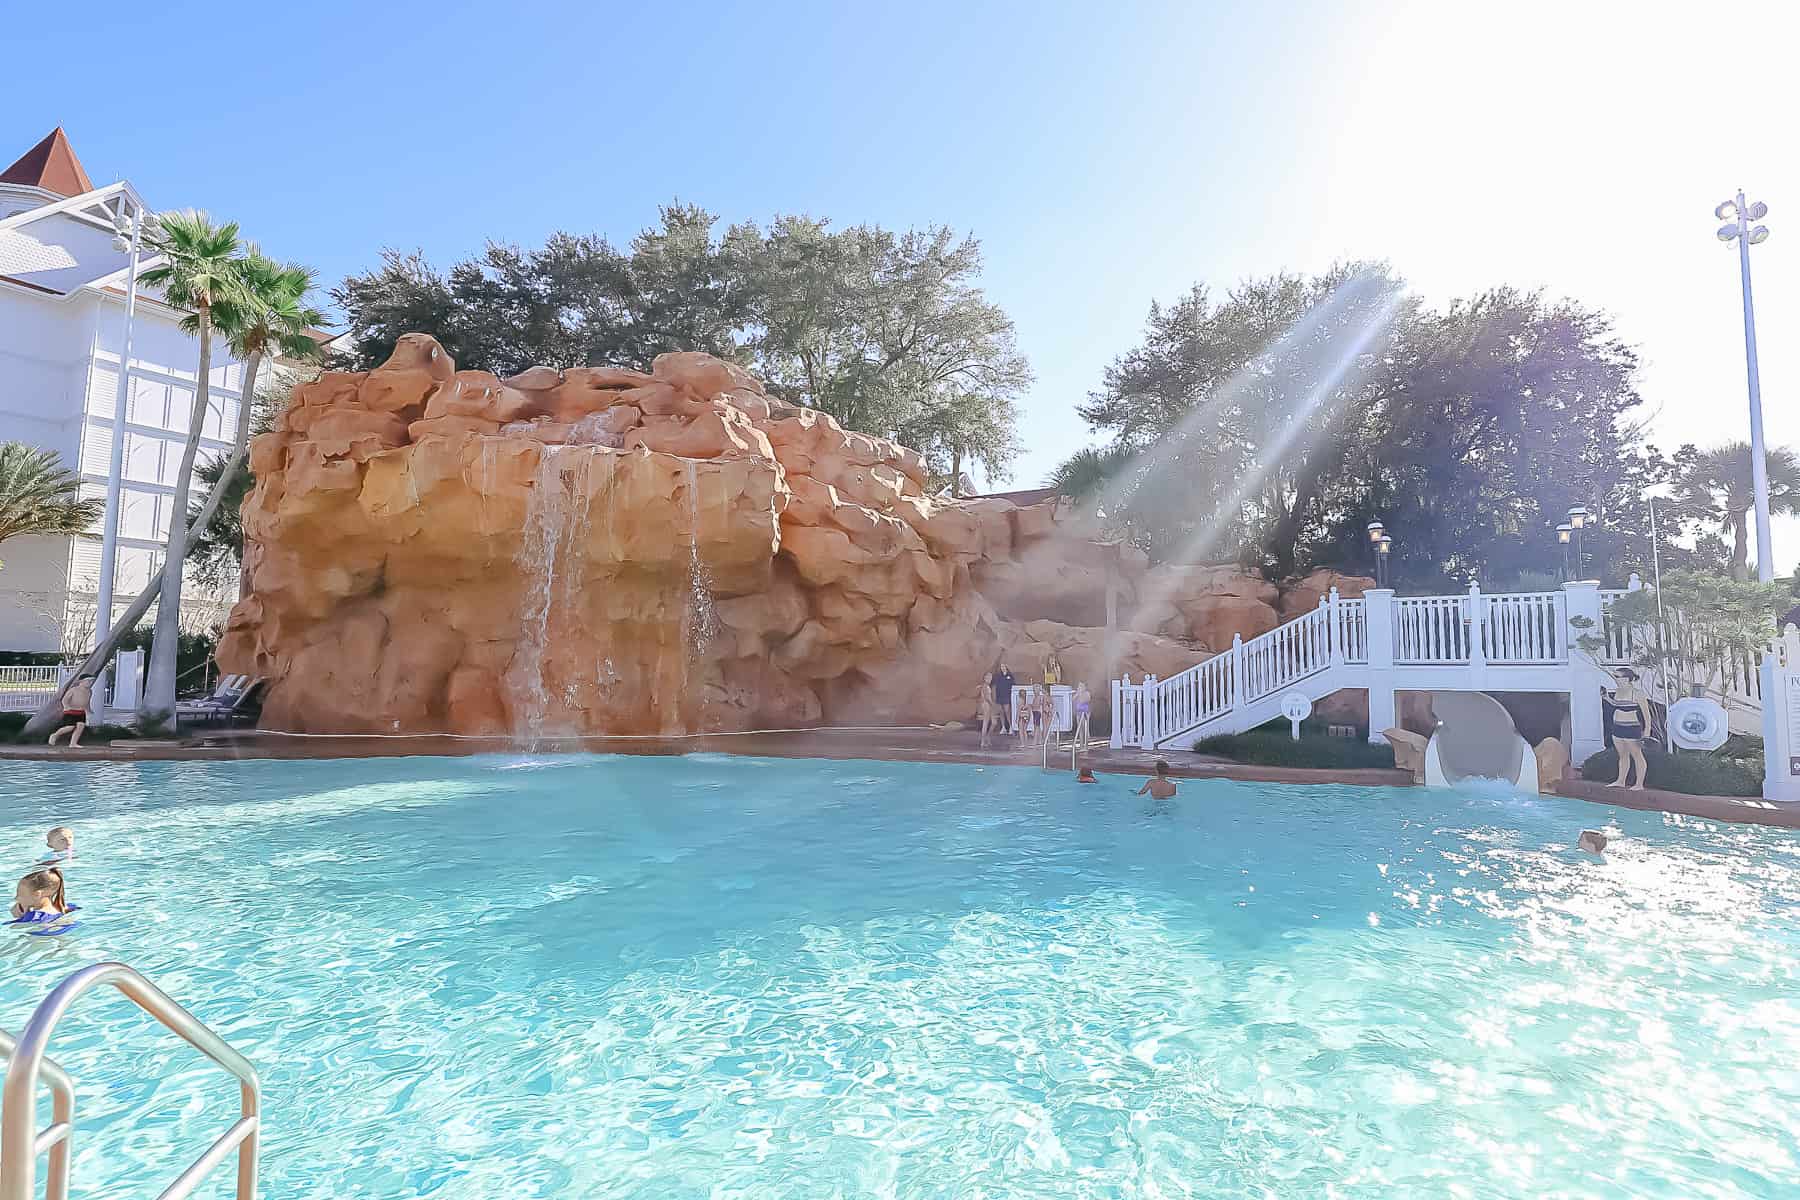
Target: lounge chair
x=229, y=688
x=241, y=708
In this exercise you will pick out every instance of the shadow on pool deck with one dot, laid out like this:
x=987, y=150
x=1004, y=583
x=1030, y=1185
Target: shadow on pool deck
x=900, y=744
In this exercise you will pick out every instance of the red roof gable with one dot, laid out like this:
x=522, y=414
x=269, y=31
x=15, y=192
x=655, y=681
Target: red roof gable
x=51, y=165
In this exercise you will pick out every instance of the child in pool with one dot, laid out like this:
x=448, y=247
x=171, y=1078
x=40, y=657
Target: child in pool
x=1160, y=786
x=61, y=841
x=40, y=896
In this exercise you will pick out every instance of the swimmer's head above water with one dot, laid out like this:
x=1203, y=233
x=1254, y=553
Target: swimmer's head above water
x=41, y=891
x=61, y=839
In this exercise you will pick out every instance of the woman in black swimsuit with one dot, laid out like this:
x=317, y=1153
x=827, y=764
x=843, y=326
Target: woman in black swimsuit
x=1630, y=711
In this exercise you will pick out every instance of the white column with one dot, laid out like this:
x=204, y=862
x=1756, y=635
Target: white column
x=109, y=535
x=1587, y=678
x=1477, y=632
x=1334, y=637
x=1378, y=609
x=1116, y=739
x=1781, y=719
x=1150, y=723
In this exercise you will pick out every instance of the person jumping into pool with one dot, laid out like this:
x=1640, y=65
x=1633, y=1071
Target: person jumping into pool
x=1159, y=785
x=75, y=702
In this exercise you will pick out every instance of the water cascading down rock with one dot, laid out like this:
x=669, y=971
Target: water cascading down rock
x=598, y=550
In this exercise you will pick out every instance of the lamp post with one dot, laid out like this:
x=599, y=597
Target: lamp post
x=1563, y=533
x=1382, y=569
x=109, y=535
x=1578, y=519
x=1738, y=215
x=1376, y=532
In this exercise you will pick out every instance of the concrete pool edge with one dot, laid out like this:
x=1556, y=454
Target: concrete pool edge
x=908, y=744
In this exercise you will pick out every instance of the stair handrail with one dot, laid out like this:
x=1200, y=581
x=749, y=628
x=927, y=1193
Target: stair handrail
x=21, y=1143
x=55, y=1137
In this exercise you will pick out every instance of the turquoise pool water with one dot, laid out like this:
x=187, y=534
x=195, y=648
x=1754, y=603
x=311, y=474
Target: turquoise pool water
x=717, y=977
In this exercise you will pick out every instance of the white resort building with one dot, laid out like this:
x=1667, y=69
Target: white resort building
x=64, y=257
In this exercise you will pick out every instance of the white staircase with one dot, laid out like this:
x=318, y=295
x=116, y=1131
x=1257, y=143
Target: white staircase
x=1383, y=643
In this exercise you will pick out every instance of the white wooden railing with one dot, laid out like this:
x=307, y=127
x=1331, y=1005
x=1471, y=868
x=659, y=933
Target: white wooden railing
x=22, y=689
x=1525, y=627
x=1525, y=641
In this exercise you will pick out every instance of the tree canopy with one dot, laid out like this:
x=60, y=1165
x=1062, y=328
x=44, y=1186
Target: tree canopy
x=889, y=332
x=1272, y=424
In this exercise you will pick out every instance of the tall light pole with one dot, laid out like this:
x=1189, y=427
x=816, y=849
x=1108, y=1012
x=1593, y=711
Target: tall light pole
x=1578, y=519
x=1377, y=531
x=1737, y=215
x=1563, y=533
x=109, y=536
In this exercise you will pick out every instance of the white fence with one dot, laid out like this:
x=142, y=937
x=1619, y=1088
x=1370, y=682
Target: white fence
x=23, y=689
x=1510, y=641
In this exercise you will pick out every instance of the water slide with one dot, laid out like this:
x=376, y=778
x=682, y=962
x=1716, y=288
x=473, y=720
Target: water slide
x=1476, y=739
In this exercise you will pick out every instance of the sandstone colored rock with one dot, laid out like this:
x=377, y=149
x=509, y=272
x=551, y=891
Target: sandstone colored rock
x=1552, y=763
x=597, y=550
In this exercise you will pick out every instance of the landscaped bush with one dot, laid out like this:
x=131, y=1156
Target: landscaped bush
x=1734, y=770
x=12, y=725
x=1274, y=746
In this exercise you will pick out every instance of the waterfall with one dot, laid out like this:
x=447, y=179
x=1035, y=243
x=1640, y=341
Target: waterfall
x=552, y=558
x=702, y=617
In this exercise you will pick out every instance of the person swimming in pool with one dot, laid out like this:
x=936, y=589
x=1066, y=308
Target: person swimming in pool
x=1159, y=785
x=61, y=841
x=40, y=896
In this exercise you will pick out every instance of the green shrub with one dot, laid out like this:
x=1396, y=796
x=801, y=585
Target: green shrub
x=1272, y=746
x=1690, y=771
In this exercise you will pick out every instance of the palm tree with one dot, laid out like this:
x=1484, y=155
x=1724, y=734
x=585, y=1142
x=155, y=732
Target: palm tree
x=200, y=267
x=1085, y=475
x=40, y=495
x=267, y=311
x=1719, y=484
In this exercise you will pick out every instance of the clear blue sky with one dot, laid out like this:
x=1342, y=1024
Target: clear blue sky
x=1104, y=155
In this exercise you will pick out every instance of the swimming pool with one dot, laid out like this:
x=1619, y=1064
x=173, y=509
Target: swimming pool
x=729, y=977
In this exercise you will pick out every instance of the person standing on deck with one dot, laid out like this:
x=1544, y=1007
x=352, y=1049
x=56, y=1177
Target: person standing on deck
x=1003, y=694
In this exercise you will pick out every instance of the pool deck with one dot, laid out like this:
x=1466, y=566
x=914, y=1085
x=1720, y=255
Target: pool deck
x=911, y=744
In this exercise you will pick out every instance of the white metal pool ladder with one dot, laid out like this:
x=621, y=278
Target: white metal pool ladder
x=20, y=1140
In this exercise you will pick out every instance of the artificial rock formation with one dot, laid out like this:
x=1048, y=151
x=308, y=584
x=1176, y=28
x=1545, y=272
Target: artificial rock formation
x=598, y=550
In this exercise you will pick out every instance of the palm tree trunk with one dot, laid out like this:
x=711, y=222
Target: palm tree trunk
x=956, y=471
x=1740, y=547
x=156, y=711
x=47, y=717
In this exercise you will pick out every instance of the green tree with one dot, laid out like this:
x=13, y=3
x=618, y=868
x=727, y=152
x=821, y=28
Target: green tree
x=1715, y=627
x=1241, y=410
x=1273, y=425
x=1718, y=486
x=887, y=332
x=1088, y=474
x=38, y=495
x=200, y=266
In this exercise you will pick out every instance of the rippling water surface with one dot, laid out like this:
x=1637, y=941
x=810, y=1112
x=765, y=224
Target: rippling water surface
x=714, y=977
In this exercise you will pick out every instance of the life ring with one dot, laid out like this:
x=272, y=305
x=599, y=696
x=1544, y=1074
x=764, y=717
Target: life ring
x=1698, y=723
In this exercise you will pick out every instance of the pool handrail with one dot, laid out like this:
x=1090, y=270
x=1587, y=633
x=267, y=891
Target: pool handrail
x=56, y=1137
x=20, y=1141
